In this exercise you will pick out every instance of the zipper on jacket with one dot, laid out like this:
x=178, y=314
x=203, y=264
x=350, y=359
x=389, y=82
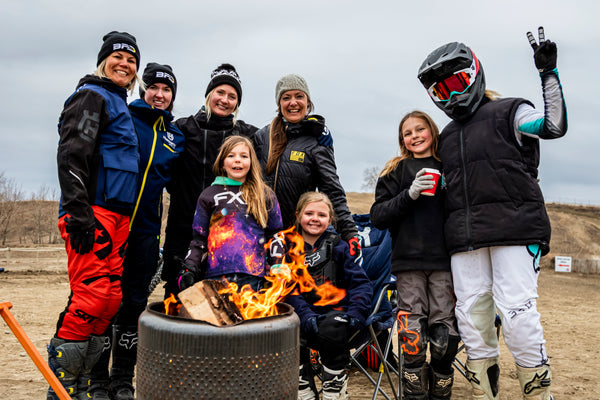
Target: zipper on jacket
x=205, y=132
x=465, y=192
x=161, y=124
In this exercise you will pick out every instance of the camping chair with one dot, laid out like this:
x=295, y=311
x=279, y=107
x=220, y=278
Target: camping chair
x=377, y=253
x=379, y=321
x=376, y=247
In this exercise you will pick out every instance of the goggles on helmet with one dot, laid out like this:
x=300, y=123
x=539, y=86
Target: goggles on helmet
x=457, y=83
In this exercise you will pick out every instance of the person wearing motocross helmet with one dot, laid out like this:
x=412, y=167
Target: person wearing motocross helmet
x=497, y=227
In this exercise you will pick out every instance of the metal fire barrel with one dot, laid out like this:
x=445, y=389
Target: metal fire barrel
x=181, y=358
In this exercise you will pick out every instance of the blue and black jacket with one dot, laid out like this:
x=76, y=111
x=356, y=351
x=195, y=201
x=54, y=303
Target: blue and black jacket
x=160, y=143
x=97, y=152
x=339, y=267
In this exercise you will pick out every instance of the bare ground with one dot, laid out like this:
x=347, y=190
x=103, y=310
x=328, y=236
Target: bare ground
x=38, y=290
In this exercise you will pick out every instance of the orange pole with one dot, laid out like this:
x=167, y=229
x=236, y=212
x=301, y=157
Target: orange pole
x=33, y=352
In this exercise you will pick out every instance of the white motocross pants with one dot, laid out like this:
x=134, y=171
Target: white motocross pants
x=501, y=279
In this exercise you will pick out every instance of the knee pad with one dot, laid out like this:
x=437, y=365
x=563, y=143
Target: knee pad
x=483, y=315
x=438, y=340
x=443, y=349
x=333, y=328
x=66, y=361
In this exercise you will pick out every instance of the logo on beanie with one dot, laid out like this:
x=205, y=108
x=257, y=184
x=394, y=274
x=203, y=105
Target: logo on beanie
x=123, y=46
x=164, y=75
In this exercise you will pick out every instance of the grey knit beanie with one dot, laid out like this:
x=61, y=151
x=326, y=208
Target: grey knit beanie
x=290, y=82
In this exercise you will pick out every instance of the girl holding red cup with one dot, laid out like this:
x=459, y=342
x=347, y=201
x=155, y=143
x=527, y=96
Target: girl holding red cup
x=410, y=203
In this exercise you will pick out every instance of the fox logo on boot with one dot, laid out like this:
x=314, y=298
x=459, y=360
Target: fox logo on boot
x=128, y=340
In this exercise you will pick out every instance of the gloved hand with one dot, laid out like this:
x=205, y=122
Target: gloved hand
x=282, y=270
x=312, y=324
x=81, y=240
x=355, y=249
x=325, y=139
x=315, y=126
x=188, y=275
x=421, y=182
x=353, y=323
x=544, y=53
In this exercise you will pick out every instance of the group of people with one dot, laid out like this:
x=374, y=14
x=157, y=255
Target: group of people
x=233, y=186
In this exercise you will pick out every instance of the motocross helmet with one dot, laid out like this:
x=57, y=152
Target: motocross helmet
x=454, y=79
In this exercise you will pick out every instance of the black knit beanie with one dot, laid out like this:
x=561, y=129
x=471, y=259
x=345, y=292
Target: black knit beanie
x=225, y=74
x=119, y=41
x=159, y=73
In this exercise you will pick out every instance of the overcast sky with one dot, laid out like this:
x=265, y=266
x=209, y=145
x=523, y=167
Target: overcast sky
x=360, y=59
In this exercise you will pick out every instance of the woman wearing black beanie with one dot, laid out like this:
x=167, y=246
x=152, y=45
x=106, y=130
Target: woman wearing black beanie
x=97, y=171
x=204, y=133
x=160, y=144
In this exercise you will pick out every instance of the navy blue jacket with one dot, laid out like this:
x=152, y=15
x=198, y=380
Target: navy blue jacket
x=357, y=303
x=161, y=143
x=97, y=152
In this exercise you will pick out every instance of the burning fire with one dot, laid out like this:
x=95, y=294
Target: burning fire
x=171, y=305
x=296, y=279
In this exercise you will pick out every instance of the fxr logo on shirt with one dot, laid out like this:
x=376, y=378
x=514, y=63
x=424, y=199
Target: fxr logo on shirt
x=297, y=156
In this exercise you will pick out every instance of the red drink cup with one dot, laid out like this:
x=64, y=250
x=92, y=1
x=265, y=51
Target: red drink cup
x=436, y=177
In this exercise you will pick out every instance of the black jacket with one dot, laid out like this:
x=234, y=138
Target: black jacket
x=305, y=166
x=353, y=279
x=416, y=226
x=493, y=197
x=193, y=172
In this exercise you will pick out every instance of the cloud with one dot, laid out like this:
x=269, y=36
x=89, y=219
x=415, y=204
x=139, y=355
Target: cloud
x=359, y=58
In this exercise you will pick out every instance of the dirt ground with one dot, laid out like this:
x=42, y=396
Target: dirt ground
x=38, y=290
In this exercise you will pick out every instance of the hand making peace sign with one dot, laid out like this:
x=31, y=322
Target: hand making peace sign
x=544, y=53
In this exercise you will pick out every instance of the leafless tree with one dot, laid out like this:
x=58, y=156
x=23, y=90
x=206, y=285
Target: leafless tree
x=370, y=176
x=41, y=221
x=10, y=195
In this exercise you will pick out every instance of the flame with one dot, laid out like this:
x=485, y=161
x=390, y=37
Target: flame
x=295, y=280
x=171, y=305
x=409, y=346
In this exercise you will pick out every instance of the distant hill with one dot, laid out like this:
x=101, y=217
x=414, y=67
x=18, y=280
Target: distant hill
x=575, y=229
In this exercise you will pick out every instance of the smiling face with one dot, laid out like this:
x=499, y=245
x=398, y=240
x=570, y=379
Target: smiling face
x=120, y=68
x=293, y=105
x=314, y=220
x=223, y=100
x=237, y=163
x=417, y=138
x=158, y=95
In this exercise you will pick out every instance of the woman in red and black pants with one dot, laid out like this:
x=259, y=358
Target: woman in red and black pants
x=97, y=171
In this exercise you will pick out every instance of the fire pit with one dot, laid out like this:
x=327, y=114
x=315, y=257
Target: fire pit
x=180, y=358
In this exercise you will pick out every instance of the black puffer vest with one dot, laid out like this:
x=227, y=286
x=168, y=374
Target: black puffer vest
x=320, y=262
x=493, y=197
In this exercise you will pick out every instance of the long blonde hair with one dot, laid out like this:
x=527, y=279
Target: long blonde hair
x=404, y=152
x=255, y=192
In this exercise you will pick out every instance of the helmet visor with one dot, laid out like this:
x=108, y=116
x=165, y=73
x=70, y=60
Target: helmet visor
x=457, y=83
